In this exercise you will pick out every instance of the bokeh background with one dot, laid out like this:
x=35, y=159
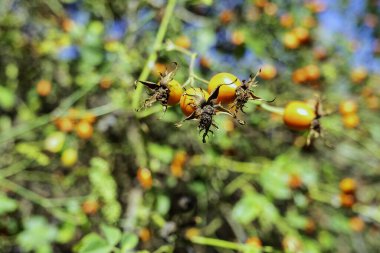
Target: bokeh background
x=82, y=171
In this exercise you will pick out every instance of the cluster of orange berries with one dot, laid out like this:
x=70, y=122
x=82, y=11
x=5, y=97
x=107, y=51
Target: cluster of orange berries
x=308, y=74
x=81, y=122
x=144, y=175
x=348, y=109
x=348, y=192
x=299, y=35
x=268, y=7
x=234, y=94
x=296, y=37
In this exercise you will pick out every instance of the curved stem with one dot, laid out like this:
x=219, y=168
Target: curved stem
x=269, y=108
x=153, y=55
x=200, y=79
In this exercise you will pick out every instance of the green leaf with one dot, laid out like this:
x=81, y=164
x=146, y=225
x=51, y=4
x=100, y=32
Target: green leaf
x=246, y=209
x=7, y=204
x=93, y=243
x=66, y=233
x=38, y=234
x=162, y=204
x=128, y=241
x=7, y=98
x=112, y=234
x=162, y=153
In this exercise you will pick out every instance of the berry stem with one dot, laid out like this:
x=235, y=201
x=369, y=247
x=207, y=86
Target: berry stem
x=270, y=108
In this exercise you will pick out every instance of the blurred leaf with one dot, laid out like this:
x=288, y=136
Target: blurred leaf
x=246, y=209
x=7, y=204
x=66, y=233
x=128, y=241
x=161, y=152
x=162, y=204
x=93, y=243
x=33, y=152
x=7, y=98
x=38, y=234
x=112, y=234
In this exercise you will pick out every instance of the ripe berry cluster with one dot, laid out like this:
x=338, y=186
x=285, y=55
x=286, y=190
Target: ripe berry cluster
x=226, y=94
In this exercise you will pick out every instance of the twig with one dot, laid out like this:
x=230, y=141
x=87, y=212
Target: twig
x=153, y=55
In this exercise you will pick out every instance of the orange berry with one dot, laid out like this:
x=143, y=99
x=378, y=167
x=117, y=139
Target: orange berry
x=291, y=41
x=67, y=24
x=271, y=9
x=43, y=88
x=302, y=34
x=295, y=181
x=183, y=41
x=159, y=68
x=348, y=107
x=177, y=164
x=351, y=120
x=309, y=22
x=287, y=20
x=90, y=206
x=261, y=3
x=84, y=130
x=347, y=185
x=356, y=224
x=316, y=6
x=226, y=16
x=144, y=176
x=64, y=124
x=367, y=92
x=237, y=38
x=373, y=102
x=347, y=200
x=358, y=75
x=105, y=83
x=176, y=170
x=298, y=115
x=205, y=62
x=145, y=234
x=313, y=73
x=254, y=241
x=89, y=117
x=299, y=76
x=268, y=72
